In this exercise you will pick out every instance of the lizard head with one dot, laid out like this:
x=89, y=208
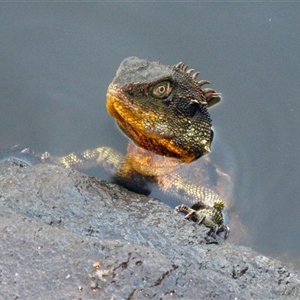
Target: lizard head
x=162, y=108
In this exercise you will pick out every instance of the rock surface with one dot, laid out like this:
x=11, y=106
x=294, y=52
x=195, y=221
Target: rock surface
x=65, y=235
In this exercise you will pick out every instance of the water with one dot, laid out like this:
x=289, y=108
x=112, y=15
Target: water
x=57, y=60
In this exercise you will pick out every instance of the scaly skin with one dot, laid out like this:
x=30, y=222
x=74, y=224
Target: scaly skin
x=164, y=111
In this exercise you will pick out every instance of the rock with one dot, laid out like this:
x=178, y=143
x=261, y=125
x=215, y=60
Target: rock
x=66, y=235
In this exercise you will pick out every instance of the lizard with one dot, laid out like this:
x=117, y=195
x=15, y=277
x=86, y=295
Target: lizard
x=164, y=112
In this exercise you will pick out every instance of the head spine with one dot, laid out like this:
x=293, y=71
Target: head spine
x=184, y=68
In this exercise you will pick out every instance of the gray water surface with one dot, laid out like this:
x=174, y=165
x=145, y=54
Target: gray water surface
x=57, y=60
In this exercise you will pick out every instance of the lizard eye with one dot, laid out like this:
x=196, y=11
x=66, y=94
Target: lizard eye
x=162, y=89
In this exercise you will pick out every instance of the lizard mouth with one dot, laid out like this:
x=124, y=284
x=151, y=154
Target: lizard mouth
x=112, y=98
x=119, y=106
x=128, y=118
x=142, y=127
x=131, y=120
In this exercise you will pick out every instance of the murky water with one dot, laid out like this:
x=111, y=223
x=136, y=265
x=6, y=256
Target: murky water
x=58, y=59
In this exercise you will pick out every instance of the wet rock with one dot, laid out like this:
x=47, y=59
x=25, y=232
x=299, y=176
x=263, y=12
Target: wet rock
x=65, y=235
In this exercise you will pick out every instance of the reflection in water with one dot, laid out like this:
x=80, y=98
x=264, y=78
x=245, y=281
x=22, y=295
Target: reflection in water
x=55, y=72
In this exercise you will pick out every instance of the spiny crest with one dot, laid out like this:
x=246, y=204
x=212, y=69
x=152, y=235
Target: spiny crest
x=183, y=67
